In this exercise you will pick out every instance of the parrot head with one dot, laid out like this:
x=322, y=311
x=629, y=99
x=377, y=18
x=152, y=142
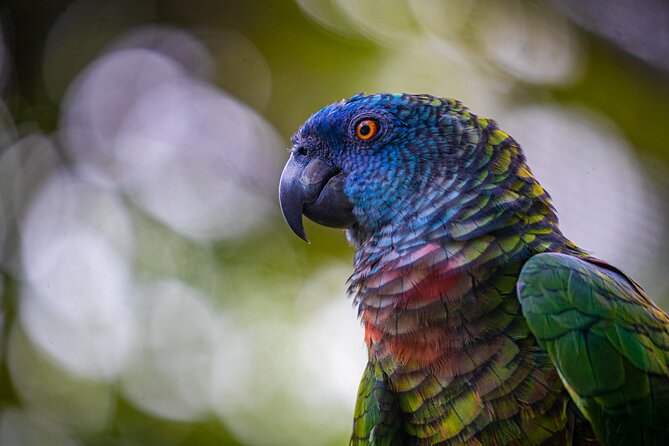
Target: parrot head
x=372, y=161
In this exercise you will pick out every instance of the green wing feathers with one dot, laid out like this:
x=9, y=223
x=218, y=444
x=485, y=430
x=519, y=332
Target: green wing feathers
x=608, y=340
x=377, y=418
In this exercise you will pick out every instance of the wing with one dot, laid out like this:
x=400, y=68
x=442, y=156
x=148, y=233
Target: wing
x=377, y=414
x=608, y=341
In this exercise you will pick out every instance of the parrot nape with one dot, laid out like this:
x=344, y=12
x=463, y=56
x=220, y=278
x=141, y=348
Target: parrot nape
x=484, y=324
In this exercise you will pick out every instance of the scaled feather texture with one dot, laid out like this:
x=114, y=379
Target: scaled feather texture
x=484, y=324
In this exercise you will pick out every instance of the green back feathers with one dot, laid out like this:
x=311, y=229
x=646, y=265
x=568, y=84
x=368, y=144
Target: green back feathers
x=609, y=342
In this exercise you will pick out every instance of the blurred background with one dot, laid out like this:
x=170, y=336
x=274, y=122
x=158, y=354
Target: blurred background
x=151, y=293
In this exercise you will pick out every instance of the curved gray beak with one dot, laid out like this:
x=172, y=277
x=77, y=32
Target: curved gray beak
x=315, y=188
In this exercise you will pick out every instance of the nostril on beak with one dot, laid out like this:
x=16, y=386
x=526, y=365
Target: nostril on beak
x=300, y=151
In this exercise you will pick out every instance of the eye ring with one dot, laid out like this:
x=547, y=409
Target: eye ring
x=366, y=129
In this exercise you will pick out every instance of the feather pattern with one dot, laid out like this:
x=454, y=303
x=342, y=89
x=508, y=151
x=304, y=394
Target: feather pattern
x=435, y=292
x=609, y=341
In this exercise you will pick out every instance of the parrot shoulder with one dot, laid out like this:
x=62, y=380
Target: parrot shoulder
x=608, y=341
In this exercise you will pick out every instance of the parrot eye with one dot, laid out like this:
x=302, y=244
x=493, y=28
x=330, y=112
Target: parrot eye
x=366, y=129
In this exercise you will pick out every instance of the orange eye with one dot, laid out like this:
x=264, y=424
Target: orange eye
x=366, y=129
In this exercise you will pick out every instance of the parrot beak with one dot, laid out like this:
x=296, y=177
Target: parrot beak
x=315, y=188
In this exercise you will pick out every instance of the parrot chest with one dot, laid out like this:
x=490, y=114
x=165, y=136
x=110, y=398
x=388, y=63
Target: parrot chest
x=458, y=354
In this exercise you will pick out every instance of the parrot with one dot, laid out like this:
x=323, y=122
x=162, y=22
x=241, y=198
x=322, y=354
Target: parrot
x=483, y=323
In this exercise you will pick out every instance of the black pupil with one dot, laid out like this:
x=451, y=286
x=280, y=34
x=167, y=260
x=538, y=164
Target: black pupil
x=365, y=129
